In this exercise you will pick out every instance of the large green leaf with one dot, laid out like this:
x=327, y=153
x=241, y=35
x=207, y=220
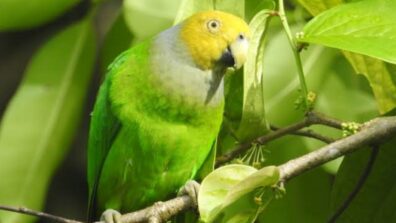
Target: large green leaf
x=146, y=18
x=21, y=14
x=253, y=122
x=317, y=6
x=376, y=71
x=381, y=76
x=228, y=193
x=376, y=200
x=189, y=7
x=41, y=119
x=366, y=27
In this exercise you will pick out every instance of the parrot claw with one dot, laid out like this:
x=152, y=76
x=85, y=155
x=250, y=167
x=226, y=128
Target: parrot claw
x=191, y=188
x=111, y=216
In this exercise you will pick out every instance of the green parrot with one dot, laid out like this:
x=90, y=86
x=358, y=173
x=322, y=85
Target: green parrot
x=159, y=110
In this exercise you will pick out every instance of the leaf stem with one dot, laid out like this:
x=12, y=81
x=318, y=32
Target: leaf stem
x=296, y=54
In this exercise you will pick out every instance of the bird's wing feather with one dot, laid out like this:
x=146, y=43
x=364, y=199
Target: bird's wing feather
x=103, y=130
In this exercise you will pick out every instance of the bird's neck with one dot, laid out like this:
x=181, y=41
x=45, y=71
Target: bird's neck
x=178, y=77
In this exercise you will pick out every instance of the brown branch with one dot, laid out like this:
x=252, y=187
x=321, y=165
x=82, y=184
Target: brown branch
x=311, y=118
x=374, y=132
x=39, y=214
x=159, y=212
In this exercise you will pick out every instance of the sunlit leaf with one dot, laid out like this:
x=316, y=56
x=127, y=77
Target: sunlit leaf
x=366, y=27
x=216, y=185
x=21, y=14
x=266, y=176
x=228, y=193
x=41, y=119
x=376, y=71
x=253, y=121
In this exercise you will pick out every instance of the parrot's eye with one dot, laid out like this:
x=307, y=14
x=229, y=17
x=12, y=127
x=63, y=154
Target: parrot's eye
x=213, y=25
x=241, y=36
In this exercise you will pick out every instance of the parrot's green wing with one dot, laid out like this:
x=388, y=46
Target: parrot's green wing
x=103, y=130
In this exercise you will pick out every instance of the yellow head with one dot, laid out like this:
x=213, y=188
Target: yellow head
x=215, y=37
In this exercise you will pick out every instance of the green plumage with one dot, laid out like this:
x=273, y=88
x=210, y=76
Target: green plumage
x=145, y=141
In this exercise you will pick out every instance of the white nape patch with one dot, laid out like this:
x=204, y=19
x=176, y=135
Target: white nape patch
x=176, y=72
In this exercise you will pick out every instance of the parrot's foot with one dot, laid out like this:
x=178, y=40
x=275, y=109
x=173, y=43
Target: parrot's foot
x=191, y=188
x=111, y=216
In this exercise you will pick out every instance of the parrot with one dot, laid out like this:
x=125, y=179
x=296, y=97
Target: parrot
x=159, y=110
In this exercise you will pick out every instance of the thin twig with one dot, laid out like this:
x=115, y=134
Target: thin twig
x=39, y=214
x=309, y=134
x=311, y=118
x=313, y=135
x=359, y=185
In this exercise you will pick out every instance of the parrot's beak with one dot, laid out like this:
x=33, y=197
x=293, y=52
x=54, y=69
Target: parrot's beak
x=239, y=49
x=235, y=54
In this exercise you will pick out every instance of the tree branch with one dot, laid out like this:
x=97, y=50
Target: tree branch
x=159, y=212
x=311, y=118
x=39, y=214
x=373, y=132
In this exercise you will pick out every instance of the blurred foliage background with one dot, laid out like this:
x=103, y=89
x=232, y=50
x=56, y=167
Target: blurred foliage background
x=53, y=55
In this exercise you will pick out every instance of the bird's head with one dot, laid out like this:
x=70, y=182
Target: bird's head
x=216, y=38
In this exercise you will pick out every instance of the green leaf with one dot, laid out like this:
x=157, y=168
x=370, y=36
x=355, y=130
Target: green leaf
x=253, y=122
x=42, y=117
x=21, y=14
x=366, y=27
x=317, y=6
x=252, y=7
x=146, y=18
x=215, y=186
x=376, y=71
x=266, y=176
x=376, y=200
x=379, y=74
x=189, y=7
x=228, y=193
